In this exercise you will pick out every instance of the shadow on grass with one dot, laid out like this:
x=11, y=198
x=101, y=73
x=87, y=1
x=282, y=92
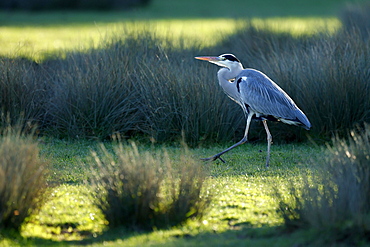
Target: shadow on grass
x=241, y=234
x=238, y=234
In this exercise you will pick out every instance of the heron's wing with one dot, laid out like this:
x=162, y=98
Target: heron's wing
x=265, y=97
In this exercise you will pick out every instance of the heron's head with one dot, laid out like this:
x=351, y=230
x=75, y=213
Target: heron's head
x=224, y=60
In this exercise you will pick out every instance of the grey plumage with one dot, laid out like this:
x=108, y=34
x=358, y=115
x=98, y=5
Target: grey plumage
x=260, y=97
x=267, y=99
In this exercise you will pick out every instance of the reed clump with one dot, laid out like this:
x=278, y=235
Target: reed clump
x=22, y=178
x=144, y=190
x=335, y=197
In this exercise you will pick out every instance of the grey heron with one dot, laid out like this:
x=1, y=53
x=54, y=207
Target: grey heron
x=260, y=98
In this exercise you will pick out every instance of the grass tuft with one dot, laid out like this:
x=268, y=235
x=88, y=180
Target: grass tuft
x=24, y=92
x=144, y=190
x=336, y=195
x=92, y=95
x=22, y=179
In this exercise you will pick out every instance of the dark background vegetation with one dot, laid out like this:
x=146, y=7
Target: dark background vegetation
x=37, y=5
x=140, y=87
x=186, y=9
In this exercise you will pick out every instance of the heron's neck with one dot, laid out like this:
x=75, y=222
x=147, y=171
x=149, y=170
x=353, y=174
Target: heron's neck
x=224, y=76
x=228, y=74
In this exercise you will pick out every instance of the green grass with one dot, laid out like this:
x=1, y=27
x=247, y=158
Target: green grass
x=42, y=34
x=243, y=210
x=40, y=42
x=67, y=157
x=191, y=9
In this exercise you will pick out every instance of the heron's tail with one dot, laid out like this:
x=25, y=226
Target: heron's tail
x=297, y=118
x=303, y=120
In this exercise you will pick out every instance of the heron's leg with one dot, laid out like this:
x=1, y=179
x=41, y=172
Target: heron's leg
x=242, y=141
x=269, y=141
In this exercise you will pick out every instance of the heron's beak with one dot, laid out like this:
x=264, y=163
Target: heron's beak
x=209, y=59
x=215, y=60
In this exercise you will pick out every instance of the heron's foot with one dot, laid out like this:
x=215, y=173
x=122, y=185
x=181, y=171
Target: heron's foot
x=213, y=158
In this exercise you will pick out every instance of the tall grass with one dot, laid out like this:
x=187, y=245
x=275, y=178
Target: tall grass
x=24, y=92
x=22, y=178
x=145, y=190
x=143, y=84
x=326, y=75
x=139, y=85
x=336, y=197
x=92, y=95
x=355, y=17
x=179, y=97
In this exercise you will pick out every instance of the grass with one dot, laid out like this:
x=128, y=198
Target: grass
x=335, y=195
x=22, y=176
x=40, y=42
x=120, y=86
x=142, y=190
x=243, y=209
x=69, y=214
x=67, y=157
x=192, y=9
x=38, y=35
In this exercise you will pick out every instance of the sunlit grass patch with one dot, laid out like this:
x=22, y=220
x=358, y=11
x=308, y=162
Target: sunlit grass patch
x=298, y=26
x=68, y=214
x=242, y=201
x=66, y=157
x=242, y=198
x=38, y=42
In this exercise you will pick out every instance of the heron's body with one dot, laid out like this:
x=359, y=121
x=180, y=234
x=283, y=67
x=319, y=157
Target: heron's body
x=260, y=97
x=257, y=93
